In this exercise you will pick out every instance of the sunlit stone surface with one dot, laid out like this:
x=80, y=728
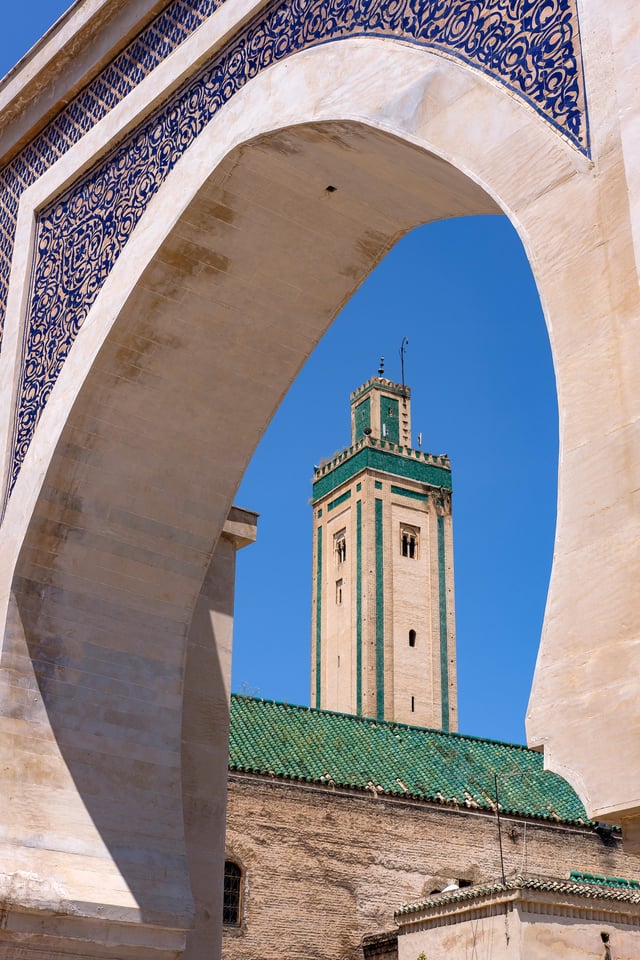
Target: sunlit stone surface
x=169, y=256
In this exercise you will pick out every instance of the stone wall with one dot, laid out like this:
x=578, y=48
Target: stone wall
x=326, y=868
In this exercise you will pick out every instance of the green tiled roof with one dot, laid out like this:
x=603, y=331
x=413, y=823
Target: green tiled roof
x=316, y=746
x=600, y=880
x=543, y=884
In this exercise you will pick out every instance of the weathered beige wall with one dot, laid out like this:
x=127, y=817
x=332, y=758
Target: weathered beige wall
x=411, y=591
x=148, y=459
x=584, y=704
x=324, y=869
x=524, y=932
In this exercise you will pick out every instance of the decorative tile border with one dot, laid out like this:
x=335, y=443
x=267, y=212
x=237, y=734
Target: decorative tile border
x=160, y=38
x=530, y=46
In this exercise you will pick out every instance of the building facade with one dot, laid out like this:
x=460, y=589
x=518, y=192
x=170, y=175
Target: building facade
x=526, y=918
x=366, y=827
x=336, y=823
x=383, y=618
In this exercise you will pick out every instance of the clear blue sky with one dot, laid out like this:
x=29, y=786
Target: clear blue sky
x=480, y=369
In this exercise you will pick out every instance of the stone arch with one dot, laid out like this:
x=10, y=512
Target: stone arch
x=129, y=477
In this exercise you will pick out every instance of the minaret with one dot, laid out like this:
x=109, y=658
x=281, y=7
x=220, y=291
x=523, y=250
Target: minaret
x=383, y=619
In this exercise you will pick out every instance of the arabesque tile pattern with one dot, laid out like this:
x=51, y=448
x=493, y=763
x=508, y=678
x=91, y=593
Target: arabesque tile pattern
x=532, y=49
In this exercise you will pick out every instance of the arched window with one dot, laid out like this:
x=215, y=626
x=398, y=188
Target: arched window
x=409, y=541
x=412, y=638
x=232, y=894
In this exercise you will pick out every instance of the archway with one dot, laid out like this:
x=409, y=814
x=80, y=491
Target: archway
x=483, y=390
x=122, y=485
x=152, y=450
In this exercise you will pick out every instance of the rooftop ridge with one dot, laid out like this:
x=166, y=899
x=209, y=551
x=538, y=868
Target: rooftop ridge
x=384, y=757
x=522, y=882
x=389, y=724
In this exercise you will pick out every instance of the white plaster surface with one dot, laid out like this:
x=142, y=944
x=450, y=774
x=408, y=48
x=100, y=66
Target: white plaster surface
x=524, y=931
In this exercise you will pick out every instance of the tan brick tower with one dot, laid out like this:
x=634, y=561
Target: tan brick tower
x=383, y=619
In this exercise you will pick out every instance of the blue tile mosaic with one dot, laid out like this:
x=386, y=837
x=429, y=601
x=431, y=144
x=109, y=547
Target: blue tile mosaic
x=86, y=109
x=531, y=46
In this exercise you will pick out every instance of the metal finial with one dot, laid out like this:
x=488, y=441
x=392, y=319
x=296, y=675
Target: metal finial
x=403, y=346
x=381, y=367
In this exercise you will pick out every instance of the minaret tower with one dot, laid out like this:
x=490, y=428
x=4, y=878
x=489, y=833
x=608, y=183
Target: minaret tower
x=383, y=619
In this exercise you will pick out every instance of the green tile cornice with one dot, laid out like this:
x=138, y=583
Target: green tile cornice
x=386, y=457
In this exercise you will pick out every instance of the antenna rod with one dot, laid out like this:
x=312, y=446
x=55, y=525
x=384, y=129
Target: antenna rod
x=403, y=346
x=495, y=779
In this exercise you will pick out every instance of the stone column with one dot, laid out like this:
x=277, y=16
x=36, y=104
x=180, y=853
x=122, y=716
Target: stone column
x=205, y=734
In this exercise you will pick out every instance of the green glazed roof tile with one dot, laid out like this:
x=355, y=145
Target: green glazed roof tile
x=317, y=746
x=622, y=892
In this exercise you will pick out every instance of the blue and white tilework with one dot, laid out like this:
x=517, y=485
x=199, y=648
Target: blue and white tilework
x=532, y=47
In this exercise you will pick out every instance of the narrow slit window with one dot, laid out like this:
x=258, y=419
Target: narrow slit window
x=413, y=704
x=339, y=592
x=232, y=894
x=412, y=638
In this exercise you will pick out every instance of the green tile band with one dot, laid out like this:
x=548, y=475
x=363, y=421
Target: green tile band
x=386, y=461
x=339, y=500
x=444, y=656
x=318, y=617
x=359, y=608
x=363, y=417
x=403, y=492
x=379, y=614
x=389, y=418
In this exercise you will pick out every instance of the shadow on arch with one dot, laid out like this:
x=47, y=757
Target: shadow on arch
x=479, y=367
x=157, y=440
x=236, y=270
x=263, y=230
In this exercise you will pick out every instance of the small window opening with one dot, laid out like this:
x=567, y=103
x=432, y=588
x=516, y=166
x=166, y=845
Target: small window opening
x=409, y=542
x=232, y=892
x=338, y=592
x=340, y=545
x=413, y=704
x=412, y=638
